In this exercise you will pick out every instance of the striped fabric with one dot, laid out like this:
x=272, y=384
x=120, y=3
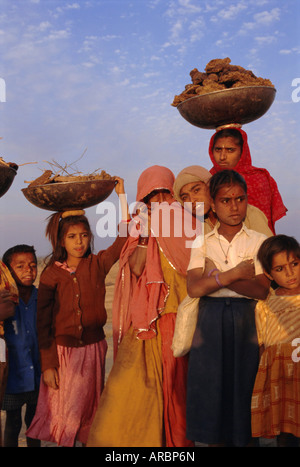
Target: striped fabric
x=278, y=319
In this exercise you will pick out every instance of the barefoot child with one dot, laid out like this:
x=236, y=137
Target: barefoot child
x=223, y=359
x=71, y=316
x=21, y=338
x=276, y=395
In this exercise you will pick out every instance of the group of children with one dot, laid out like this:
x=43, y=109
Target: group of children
x=243, y=370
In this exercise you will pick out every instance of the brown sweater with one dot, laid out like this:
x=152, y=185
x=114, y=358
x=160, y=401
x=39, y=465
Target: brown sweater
x=71, y=307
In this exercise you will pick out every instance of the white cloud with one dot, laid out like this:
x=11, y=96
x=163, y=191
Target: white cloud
x=182, y=8
x=176, y=30
x=232, y=11
x=265, y=40
x=73, y=6
x=197, y=28
x=57, y=35
x=267, y=17
x=188, y=7
x=290, y=51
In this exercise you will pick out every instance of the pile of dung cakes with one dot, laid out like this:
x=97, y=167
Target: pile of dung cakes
x=219, y=74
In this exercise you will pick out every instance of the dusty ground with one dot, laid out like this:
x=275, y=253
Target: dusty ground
x=110, y=280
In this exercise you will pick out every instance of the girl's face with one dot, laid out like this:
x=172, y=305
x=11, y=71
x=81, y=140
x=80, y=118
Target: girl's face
x=227, y=152
x=285, y=270
x=76, y=241
x=230, y=205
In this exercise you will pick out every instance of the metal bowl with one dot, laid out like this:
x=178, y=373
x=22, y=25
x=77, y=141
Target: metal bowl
x=64, y=196
x=228, y=106
x=7, y=175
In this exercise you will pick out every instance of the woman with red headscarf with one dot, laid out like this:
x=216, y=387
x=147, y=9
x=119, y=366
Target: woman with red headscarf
x=143, y=403
x=228, y=149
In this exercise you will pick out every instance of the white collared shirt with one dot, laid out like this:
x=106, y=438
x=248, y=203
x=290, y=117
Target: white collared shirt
x=244, y=245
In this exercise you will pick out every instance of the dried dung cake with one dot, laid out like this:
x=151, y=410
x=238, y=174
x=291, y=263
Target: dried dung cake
x=219, y=74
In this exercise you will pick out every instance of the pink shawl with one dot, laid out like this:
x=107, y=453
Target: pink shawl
x=138, y=302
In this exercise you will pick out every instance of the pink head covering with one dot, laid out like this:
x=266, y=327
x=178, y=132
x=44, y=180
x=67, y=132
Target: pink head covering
x=138, y=302
x=154, y=178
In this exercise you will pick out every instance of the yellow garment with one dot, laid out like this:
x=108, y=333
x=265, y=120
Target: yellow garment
x=176, y=283
x=130, y=412
x=7, y=282
x=131, y=408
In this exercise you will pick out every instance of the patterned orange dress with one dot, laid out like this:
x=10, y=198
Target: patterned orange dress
x=275, y=403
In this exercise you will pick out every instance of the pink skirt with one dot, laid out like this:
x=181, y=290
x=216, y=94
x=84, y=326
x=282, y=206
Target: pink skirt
x=64, y=415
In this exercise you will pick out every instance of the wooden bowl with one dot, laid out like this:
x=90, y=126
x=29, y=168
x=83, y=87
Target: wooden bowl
x=228, y=106
x=64, y=196
x=7, y=175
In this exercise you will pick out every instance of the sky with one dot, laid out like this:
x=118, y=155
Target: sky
x=92, y=82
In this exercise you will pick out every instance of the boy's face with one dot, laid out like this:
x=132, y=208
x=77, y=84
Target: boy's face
x=285, y=270
x=196, y=192
x=23, y=268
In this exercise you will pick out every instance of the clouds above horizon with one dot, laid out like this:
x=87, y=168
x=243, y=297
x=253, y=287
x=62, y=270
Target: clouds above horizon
x=102, y=74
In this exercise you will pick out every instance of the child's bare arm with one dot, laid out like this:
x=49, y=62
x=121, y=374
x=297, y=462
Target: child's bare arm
x=257, y=288
x=199, y=285
x=120, y=190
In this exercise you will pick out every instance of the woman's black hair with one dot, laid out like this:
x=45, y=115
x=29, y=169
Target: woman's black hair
x=229, y=133
x=149, y=196
x=274, y=245
x=225, y=177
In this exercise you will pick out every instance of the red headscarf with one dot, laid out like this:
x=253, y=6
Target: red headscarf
x=138, y=302
x=262, y=188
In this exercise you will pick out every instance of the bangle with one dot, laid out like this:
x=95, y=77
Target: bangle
x=211, y=271
x=218, y=280
x=142, y=246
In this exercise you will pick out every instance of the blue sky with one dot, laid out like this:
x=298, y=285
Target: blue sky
x=100, y=76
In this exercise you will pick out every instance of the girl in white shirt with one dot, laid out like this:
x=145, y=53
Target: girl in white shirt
x=223, y=360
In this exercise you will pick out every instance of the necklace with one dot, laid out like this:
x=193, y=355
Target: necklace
x=225, y=254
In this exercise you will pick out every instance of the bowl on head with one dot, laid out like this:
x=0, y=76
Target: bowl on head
x=69, y=195
x=239, y=105
x=7, y=174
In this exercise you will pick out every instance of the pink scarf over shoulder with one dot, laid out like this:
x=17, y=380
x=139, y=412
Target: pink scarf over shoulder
x=139, y=302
